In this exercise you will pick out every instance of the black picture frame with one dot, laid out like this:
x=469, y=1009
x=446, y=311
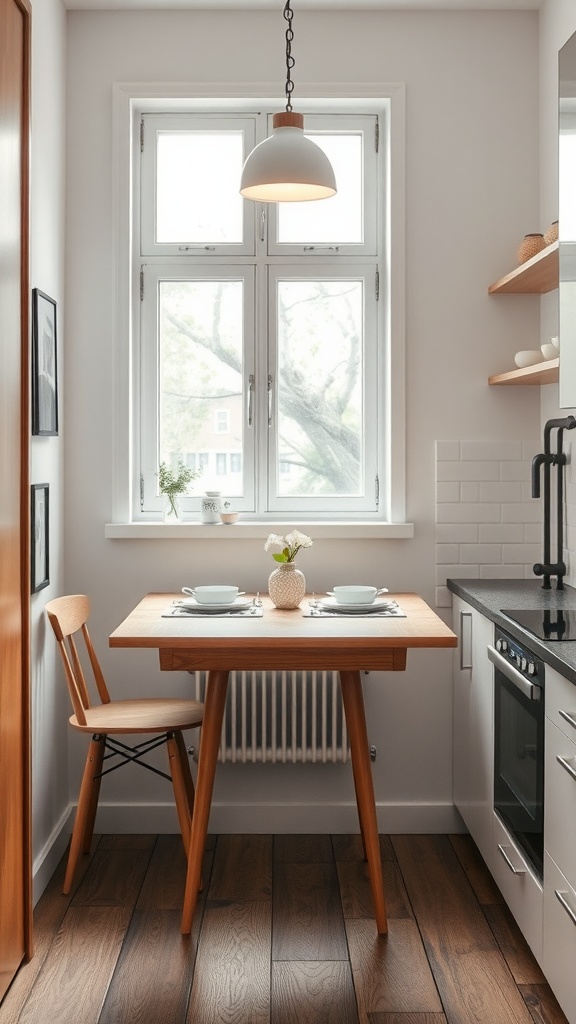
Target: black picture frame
x=44, y=365
x=40, y=536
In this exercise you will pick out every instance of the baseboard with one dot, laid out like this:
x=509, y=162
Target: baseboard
x=47, y=859
x=281, y=818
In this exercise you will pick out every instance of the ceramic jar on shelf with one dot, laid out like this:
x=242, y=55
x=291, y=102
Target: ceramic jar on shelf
x=210, y=507
x=529, y=246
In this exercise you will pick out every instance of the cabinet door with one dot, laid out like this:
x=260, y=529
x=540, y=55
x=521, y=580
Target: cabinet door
x=473, y=766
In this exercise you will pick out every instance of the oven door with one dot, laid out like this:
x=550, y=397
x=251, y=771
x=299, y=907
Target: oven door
x=519, y=757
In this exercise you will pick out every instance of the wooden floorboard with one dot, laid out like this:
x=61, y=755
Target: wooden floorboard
x=283, y=934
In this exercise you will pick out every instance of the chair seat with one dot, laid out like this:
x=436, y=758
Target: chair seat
x=142, y=715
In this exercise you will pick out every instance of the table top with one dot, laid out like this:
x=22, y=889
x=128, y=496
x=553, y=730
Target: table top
x=281, y=638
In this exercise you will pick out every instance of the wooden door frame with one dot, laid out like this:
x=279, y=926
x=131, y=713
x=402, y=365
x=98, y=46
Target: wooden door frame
x=26, y=767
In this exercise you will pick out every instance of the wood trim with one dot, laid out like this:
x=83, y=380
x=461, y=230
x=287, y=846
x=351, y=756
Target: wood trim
x=26, y=9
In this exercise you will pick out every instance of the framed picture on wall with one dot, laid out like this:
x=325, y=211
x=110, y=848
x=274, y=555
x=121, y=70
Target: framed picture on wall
x=39, y=523
x=44, y=365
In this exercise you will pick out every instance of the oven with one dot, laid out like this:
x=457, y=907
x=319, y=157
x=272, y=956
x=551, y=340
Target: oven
x=519, y=744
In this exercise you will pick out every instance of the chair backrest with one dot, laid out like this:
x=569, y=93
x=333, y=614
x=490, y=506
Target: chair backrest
x=68, y=617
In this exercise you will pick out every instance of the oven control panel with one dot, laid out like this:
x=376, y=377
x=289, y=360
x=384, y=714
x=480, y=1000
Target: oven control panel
x=520, y=656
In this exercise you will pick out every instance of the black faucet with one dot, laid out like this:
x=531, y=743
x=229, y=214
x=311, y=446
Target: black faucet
x=546, y=569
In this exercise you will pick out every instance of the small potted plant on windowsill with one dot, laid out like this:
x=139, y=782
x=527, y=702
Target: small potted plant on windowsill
x=171, y=484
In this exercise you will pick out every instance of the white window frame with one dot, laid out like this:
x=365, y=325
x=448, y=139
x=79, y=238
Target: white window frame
x=130, y=99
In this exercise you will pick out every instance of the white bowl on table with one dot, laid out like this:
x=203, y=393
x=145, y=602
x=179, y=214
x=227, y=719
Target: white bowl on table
x=216, y=594
x=355, y=594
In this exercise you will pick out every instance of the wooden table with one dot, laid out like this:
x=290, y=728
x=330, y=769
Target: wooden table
x=283, y=640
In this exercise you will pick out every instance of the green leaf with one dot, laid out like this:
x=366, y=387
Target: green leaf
x=280, y=558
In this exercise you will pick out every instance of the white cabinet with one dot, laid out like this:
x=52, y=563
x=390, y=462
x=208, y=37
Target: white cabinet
x=473, y=768
x=518, y=885
x=560, y=841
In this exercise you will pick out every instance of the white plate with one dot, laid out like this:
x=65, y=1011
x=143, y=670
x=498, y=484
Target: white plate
x=212, y=609
x=379, y=604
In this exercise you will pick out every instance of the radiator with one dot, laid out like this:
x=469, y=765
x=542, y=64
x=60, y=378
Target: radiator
x=281, y=717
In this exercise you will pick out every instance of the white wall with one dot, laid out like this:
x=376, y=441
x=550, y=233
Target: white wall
x=472, y=192
x=50, y=795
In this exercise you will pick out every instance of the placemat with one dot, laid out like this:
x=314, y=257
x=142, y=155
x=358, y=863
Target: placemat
x=323, y=613
x=178, y=611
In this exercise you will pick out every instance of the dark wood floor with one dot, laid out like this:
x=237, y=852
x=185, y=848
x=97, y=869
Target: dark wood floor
x=283, y=934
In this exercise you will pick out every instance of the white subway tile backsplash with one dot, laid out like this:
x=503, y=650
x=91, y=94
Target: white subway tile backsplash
x=525, y=553
x=443, y=597
x=447, y=450
x=507, y=490
x=457, y=533
x=500, y=533
x=448, y=491
x=490, y=526
x=447, y=553
x=468, y=471
x=480, y=553
x=450, y=512
x=503, y=451
x=469, y=491
x=521, y=512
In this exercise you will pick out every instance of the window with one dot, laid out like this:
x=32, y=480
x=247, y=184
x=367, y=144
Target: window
x=261, y=322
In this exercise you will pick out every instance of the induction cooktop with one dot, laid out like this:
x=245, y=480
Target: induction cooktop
x=549, y=624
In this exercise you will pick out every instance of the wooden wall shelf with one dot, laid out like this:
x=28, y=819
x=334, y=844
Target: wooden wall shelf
x=540, y=373
x=537, y=276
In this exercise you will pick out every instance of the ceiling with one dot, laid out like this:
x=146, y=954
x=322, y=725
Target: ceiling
x=310, y=5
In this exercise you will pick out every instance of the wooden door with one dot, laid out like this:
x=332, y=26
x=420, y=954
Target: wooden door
x=15, y=846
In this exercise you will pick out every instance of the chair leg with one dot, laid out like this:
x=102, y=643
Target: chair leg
x=94, y=795
x=85, y=798
x=179, y=783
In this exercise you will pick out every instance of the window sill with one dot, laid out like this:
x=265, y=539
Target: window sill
x=255, y=531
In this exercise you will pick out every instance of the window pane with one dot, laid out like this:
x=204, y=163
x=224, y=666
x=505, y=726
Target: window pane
x=320, y=388
x=200, y=374
x=329, y=221
x=197, y=198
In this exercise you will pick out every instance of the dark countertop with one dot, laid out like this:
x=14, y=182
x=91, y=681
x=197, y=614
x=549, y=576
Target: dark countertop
x=490, y=596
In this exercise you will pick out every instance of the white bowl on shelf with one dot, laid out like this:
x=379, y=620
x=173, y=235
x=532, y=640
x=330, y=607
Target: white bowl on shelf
x=527, y=357
x=549, y=351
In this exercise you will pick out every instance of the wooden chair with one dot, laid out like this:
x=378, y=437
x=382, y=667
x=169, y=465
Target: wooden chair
x=164, y=717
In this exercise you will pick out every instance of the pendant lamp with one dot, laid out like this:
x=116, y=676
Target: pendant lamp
x=287, y=167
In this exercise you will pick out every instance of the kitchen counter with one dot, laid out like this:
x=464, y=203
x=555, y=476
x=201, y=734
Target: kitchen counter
x=490, y=596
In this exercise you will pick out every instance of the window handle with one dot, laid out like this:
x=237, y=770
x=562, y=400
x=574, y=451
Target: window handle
x=204, y=248
x=250, y=397
x=263, y=225
x=269, y=400
x=321, y=248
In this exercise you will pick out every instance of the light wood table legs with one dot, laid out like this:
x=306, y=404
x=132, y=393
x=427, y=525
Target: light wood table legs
x=353, y=701
x=210, y=741
x=207, y=755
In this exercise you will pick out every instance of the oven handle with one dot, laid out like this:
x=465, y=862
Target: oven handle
x=531, y=690
x=513, y=869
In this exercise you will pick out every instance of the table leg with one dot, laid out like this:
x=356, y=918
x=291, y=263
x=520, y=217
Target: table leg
x=214, y=704
x=356, y=723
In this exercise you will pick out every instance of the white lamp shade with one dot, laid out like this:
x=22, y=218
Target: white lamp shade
x=287, y=167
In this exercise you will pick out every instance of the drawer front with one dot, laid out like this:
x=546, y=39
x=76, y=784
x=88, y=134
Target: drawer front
x=560, y=937
x=560, y=698
x=519, y=887
x=560, y=801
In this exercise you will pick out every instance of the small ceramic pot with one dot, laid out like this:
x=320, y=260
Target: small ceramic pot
x=211, y=507
x=529, y=246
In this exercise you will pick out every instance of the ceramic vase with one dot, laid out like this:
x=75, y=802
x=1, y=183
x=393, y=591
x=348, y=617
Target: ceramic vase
x=171, y=508
x=529, y=246
x=211, y=507
x=286, y=585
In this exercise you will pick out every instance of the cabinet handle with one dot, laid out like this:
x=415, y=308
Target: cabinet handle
x=566, y=764
x=514, y=870
x=561, y=897
x=571, y=719
x=465, y=640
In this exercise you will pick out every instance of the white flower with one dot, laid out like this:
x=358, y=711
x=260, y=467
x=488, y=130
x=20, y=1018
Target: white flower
x=291, y=545
x=273, y=538
x=297, y=539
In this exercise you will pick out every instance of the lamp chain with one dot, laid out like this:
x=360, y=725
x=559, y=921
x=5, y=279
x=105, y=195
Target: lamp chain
x=288, y=15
